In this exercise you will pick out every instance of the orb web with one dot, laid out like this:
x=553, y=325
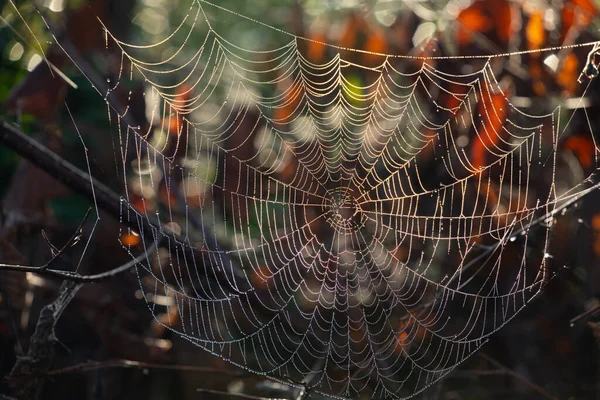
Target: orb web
x=359, y=224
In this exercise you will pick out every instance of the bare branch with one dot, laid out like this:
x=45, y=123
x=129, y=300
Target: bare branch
x=59, y=168
x=56, y=254
x=105, y=198
x=44, y=269
x=27, y=374
x=95, y=365
x=517, y=376
x=76, y=277
x=585, y=314
x=239, y=395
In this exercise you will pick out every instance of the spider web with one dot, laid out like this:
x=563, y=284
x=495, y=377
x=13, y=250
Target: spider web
x=329, y=223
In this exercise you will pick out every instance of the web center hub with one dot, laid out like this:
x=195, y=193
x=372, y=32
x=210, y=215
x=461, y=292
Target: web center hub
x=343, y=211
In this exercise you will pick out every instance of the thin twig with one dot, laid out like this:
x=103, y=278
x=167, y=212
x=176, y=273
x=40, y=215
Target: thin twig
x=519, y=377
x=585, y=314
x=60, y=169
x=562, y=208
x=558, y=210
x=95, y=78
x=56, y=254
x=76, y=277
x=95, y=191
x=471, y=372
x=81, y=182
x=240, y=395
x=95, y=365
x=27, y=375
x=53, y=248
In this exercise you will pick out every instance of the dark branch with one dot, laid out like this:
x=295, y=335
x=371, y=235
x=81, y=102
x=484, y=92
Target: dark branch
x=95, y=365
x=28, y=373
x=74, y=276
x=546, y=219
x=585, y=314
x=59, y=168
x=229, y=394
x=56, y=254
x=93, y=190
x=517, y=376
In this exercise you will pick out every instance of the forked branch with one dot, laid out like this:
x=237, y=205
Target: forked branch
x=69, y=275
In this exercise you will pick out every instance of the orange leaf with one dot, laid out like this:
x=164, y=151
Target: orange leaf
x=293, y=96
x=130, y=239
x=260, y=278
x=576, y=14
x=536, y=72
x=453, y=101
x=167, y=196
x=402, y=342
x=493, y=108
x=138, y=203
x=502, y=15
x=596, y=222
x=315, y=51
x=535, y=32
x=174, y=122
x=357, y=33
x=485, y=17
x=471, y=20
x=354, y=24
x=583, y=148
x=597, y=247
x=376, y=43
x=567, y=76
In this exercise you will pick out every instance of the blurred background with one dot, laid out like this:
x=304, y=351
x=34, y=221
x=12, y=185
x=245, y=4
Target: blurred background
x=540, y=354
